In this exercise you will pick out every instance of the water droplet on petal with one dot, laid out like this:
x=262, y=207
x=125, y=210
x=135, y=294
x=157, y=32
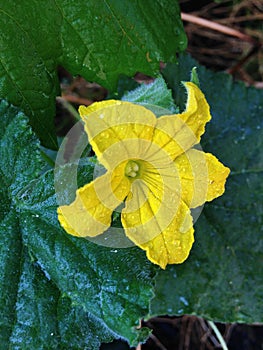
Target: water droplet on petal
x=177, y=243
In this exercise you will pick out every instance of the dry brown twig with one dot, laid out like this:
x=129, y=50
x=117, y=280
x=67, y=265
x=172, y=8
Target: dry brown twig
x=216, y=26
x=235, y=52
x=77, y=100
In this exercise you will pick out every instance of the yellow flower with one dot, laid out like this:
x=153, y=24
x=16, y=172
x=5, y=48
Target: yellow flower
x=152, y=167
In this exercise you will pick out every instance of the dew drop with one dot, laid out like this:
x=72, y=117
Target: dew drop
x=114, y=251
x=184, y=301
x=132, y=230
x=177, y=243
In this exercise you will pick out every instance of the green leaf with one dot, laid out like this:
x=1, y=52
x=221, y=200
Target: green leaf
x=154, y=96
x=54, y=288
x=12, y=181
x=10, y=252
x=194, y=77
x=79, y=329
x=98, y=40
x=113, y=285
x=36, y=325
x=222, y=280
x=44, y=319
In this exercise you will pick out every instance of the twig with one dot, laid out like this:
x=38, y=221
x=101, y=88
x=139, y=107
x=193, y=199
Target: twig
x=77, y=100
x=255, y=17
x=65, y=103
x=216, y=26
x=218, y=334
x=157, y=342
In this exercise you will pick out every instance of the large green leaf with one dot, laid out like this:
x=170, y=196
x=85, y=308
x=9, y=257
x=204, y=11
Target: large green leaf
x=54, y=288
x=97, y=39
x=222, y=279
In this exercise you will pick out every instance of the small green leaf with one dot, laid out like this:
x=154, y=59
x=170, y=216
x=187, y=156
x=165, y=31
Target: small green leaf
x=154, y=96
x=194, y=77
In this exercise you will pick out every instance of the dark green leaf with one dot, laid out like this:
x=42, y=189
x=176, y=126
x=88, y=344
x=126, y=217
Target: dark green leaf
x=106, y=290
x=79, y=329
x=14, y=175
x=222, y=280
x=10, y=250
x=98, y=40
x=29, y=54
x=113, y=285
x=36, y=310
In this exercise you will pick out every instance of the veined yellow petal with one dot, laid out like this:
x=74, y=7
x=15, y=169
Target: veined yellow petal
x=152, y=203
x=217, y=174
x=155, y=218
x=177, y=133
x=197, y=112
x=113, y=122
x=90, y=213
x=172, y=245
x=202, y=177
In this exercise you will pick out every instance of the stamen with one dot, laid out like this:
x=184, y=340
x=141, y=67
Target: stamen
x=132, y=169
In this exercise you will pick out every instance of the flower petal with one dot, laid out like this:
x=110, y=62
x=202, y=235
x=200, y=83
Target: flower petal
x=155, y=218
x=168, y=238
x=177, y=133
x=154, y=197
x=112, y=122
x=197, y=112
x=90, y=213
x=173, y=245
x=202, y=177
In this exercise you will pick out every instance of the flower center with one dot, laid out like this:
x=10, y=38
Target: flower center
x=132, y=169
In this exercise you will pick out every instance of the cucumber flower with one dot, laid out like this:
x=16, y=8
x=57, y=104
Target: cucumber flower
x=153, y=170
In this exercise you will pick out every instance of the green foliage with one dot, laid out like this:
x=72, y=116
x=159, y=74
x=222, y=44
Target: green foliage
x=98, y=40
